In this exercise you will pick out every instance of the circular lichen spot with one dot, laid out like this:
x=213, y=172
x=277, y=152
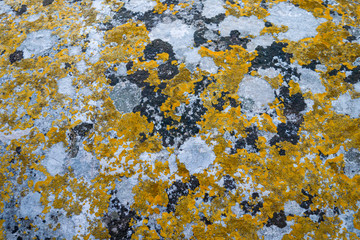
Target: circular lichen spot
x=125, y=96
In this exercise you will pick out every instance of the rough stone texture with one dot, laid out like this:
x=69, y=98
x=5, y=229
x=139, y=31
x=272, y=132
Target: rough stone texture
x=174, y=119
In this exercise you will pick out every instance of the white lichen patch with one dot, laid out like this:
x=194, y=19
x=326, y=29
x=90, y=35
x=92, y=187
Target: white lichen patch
x=55, y=159
x=212, y=8
x=141, y=6
x=84, y=165
x=245, y=25
x=196, y=155
x=30, y=205
x=301, y=23
x=346, y=105
x=292, y=207
x=66, y=87
x=38, y=43
x=125, y=96
x=4, y=8
x=274, y=232
x=310, y=81
x=255, y=93
x=268, y=72
x=96, y=40
x=124, y=190
x=178, y=34
x=207, y=64
x=16, y=134
x=262, y=40
x=352, y=163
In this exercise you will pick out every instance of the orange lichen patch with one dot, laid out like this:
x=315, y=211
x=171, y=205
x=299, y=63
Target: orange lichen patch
x=178, y=88
x=160, y=7
x=268, y=124
x=224, y=121
x=250, y=8
x=275, y=82
x=293, y=88
x=274, y=30
x=314, y=6
x=130, y=40
x=328, y=47
x=350, y=12
x=149, y=195
x=163, y=56
x=234, y=65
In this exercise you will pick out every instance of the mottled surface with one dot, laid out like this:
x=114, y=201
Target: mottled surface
x=174, y=119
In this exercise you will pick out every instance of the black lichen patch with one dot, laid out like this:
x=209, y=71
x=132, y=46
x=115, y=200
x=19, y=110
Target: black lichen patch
x=199, y=38
x=67, y=66
x=83, y=129
x=351, y=38
x=129, y=65
x=312, y=65
x=306, y=204
x=249, y=142
x=169, y=2
x=200, y=86
x=221, y=102
x=217, y=19
x=139, y=77
x=21, y=10
x=274, y=56
x=16, y=56
x=188, y=123
x=105, y=26
x=118, y=220
x=122, y=16
x=319, y=213
x=176, y=190
x=250, y=208
x=113, y=76
x=151, y=101
x=233, y=39
x=278, y=219
x=158, y=46
x=333, y=72
x=270, y=56
x=205, y=220
x=47, y=2
x=354, y=77
x=207, y=198
x=293, y=107
x=286, y=132
x=289, y=73
x=255, y=195
x=167, y=71
x=150, y=18
x=268, y=24
x=293, y=104
x=240, y=143
x=18, y=150
x=179, y=189
x=252, y=137
x=229, y=182
x=172, y=131
x=113, y=79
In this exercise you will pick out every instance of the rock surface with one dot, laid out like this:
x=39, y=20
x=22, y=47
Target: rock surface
x=174, y=119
